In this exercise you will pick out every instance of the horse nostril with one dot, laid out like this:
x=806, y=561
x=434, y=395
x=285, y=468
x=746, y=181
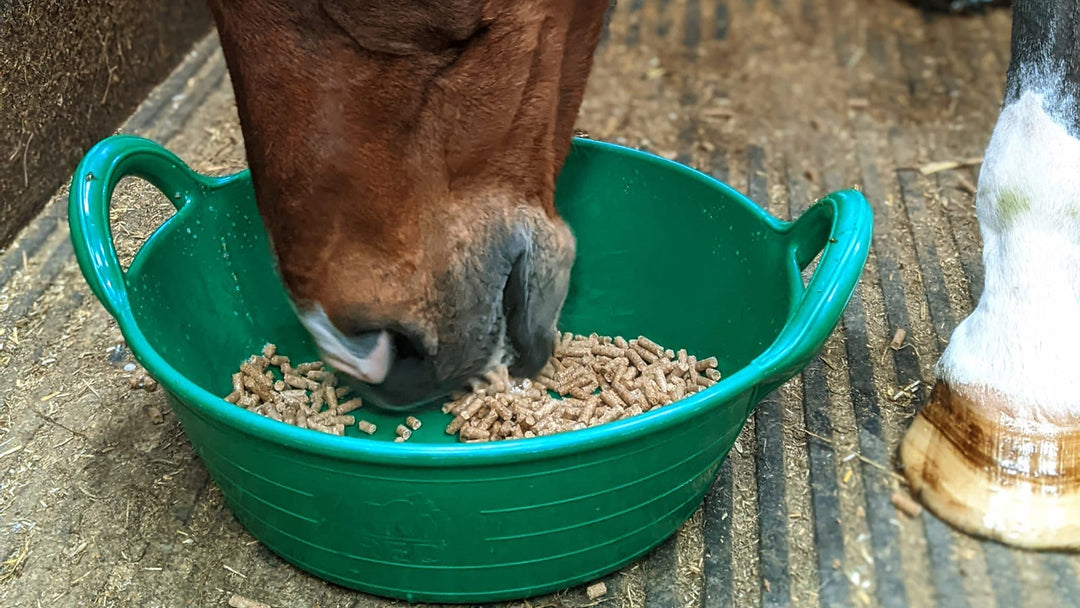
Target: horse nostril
x=406, y=347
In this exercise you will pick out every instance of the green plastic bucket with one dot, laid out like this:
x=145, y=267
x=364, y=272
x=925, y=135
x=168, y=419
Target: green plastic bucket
x=663, y=250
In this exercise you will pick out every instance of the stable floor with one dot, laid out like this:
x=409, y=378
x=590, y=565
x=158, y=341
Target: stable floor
x=103, y=502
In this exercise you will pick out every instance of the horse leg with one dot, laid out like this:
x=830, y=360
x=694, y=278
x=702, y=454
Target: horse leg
x=996, y=451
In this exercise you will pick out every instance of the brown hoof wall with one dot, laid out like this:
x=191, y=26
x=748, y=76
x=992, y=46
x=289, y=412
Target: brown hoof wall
x=979, y=466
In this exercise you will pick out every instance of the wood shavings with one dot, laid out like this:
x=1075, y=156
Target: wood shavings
x=906, y=504
x=589, y=381
x=907, y=391
x=11, y=566
x=11, y=451
x=965, y=184
x=948, y=165
x=239, y=601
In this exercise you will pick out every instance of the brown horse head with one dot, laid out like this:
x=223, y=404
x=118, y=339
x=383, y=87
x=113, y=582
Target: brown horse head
x=404, y=156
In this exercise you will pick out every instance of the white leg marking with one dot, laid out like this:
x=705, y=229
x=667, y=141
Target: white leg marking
x=1023, y=339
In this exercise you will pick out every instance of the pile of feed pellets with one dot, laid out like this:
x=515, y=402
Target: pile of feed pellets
x=306, y=395
x=589, y=381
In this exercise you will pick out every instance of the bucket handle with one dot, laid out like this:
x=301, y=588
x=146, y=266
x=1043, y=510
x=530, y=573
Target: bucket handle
x=839, y=226
x=92, y=185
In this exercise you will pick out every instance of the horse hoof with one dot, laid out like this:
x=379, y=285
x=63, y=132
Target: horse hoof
x=982, y=469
